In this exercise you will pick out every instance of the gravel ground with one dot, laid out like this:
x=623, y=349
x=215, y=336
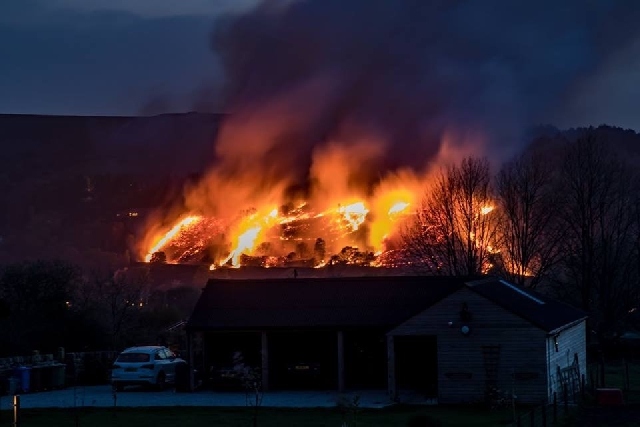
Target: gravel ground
x=103, y=396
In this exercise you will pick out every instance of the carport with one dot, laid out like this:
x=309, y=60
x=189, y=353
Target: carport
x=309, y=333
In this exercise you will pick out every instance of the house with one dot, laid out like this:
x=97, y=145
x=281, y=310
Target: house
x=444, y=338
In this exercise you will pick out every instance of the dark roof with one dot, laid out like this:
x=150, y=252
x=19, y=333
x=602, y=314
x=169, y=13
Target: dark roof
x=358, y=302
x=317, y=302
x=541, y=311
x=167, y=276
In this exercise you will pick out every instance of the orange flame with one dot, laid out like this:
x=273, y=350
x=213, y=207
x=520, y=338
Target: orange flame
x=249, y=232
x=246, y=242
x=180, y=226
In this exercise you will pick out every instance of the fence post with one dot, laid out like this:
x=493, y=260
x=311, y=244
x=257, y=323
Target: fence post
x=626, y=375
x=16, y=410
x=544, y=415
x=555, y=407
x=519, y=421
x=582, y=386
x=565, y=393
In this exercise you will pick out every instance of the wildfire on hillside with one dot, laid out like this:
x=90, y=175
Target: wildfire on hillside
x=285, y=235
x=357, y=232
x=249, y=211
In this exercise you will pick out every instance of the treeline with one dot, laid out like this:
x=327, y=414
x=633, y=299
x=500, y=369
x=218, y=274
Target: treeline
x=45, y=305
x=564, y=218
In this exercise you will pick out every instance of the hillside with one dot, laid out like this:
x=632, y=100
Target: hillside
x=79, y=188
x=68, y=180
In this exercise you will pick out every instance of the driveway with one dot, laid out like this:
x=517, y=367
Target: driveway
x=102, y=395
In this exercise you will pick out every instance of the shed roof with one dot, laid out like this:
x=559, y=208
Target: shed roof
x=541, y=311
x=317, y=302
x=358, y=302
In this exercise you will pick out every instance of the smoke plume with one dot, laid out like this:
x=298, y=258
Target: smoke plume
x=328, y=99
x=305, y=76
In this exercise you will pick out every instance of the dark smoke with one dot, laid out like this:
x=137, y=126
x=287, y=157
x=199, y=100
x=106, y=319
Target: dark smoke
x=410, y=71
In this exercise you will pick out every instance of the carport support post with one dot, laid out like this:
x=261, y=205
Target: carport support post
x=391, y=368
x=190, y=355
x=340, y=361
x=265, y=361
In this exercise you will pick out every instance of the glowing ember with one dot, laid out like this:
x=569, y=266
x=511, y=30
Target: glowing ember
x=398, y=207
x=486, y=209
x=180, y=226
x=354, y=214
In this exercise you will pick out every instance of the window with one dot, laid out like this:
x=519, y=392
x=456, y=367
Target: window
x=133, y=358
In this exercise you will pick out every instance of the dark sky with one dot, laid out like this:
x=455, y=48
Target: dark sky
x=126, y=57
x=108, y=57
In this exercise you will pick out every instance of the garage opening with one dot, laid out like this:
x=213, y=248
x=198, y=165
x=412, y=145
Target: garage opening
x=303, y=360
x=417, y=364
x=222, y=349
x=365, y=355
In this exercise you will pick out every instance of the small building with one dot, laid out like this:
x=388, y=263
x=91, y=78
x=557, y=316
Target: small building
x=448, y=339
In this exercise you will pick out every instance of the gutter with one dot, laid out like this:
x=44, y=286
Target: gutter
x=567, y=326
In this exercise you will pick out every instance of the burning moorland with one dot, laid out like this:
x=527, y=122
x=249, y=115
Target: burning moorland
x=350, y=212
x=338, y=217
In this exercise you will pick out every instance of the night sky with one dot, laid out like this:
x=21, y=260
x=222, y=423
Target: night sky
x=108, y=57
x=119, y=57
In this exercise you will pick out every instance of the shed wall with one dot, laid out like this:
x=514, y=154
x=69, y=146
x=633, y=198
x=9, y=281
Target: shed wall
x=571, y=341
x=465, y=361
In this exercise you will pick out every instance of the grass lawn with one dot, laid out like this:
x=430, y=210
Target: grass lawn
x=615, y=374
x=396, y=416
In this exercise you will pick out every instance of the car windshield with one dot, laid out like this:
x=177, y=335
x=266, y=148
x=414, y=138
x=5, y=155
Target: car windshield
x=133, y=357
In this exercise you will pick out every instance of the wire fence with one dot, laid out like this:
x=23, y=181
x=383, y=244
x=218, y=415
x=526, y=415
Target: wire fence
x=547, y=415
x=618, y=377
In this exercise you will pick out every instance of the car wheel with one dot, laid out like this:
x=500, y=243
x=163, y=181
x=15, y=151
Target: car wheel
x=161, y=381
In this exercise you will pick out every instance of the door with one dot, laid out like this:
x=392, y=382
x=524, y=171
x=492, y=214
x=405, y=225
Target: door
x=417, y=364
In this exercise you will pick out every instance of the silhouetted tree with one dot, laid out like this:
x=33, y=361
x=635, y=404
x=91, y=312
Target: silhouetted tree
x=599, y=255
x=158, y=258
x=527, y=201
x=39, y=296
x=116, y=298
x=454, y=227
x=320, y=250
x=302, y=249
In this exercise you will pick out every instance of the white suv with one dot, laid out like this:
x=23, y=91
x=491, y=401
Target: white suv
x=147, y=365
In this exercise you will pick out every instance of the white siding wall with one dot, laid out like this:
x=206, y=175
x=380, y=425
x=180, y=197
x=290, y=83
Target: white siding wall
x=571, y=341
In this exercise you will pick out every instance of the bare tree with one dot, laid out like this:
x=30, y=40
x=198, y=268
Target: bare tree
x=251, y=379
x=36, y=298
x=598, y=216
x=529, y=231
x=631, y=317
x=117, y=297
x=454, y=229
